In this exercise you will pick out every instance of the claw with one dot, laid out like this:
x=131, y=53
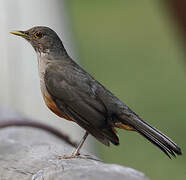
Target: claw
x=76, y=156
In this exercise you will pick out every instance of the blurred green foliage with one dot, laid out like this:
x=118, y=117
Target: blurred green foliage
x=131, y=47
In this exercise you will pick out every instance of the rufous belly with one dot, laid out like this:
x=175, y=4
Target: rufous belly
x=52, y=106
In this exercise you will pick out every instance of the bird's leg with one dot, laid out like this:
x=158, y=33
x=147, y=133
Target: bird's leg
x=76, y=152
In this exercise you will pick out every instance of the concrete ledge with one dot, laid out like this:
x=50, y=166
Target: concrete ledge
x=32, y=154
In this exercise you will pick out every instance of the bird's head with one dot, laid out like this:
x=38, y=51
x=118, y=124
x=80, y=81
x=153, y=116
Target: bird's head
x=43, y=39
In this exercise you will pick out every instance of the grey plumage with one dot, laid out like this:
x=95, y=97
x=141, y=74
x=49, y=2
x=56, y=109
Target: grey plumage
x=78, y=95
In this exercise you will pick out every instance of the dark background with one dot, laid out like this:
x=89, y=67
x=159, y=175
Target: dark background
x=134, y=49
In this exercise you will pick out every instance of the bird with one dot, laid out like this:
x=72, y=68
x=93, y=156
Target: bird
x=73, y=94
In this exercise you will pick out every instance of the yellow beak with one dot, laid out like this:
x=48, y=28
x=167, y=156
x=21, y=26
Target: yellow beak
x=18, y=33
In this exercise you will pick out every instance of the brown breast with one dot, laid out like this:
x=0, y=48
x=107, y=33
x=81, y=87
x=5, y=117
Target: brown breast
x=52, y=106
x=42, y=65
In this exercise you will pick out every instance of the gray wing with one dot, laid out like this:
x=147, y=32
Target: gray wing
x=74, y=92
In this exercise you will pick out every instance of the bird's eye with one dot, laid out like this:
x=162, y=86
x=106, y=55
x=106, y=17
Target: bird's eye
x=38, y=35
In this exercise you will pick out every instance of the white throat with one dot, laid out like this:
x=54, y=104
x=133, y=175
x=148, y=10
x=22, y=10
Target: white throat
x=43, y=62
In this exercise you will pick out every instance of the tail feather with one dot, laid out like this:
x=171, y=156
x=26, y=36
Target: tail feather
x=158, y=144
x=157, y=138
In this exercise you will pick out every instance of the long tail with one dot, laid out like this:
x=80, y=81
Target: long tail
x=153, y=135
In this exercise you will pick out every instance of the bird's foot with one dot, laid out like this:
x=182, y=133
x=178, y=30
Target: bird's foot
x=75, y=156
x=70, y=157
